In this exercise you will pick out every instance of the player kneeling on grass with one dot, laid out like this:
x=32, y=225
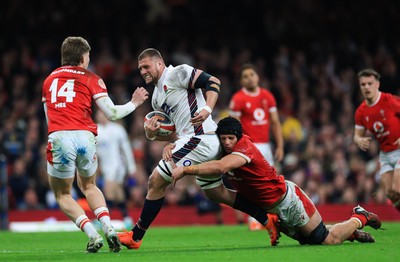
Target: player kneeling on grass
x=293, y=212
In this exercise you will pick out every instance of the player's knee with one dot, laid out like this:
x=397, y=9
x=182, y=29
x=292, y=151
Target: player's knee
x=151, y=183
x=164, y=170
x=156, y=183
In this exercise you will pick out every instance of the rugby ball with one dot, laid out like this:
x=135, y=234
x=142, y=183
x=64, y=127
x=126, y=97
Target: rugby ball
x=167, y=126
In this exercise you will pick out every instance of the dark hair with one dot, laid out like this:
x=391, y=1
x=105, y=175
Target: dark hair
x=150, y=52
x=247, y=66
x=230, y=125
x=369, y=72
x=72, y=50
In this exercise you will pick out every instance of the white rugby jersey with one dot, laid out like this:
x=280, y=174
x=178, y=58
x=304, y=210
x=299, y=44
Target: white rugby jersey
x=173, y=95
x=114, y=150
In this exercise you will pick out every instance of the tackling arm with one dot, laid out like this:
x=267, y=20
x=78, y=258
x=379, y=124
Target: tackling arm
x=210, y=168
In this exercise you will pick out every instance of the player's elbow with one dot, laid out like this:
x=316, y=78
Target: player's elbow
x=215, y=80
x=213, y=84
x=112, y=115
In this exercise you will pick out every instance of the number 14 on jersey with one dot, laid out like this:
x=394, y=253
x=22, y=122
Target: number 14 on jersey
x=66, y=90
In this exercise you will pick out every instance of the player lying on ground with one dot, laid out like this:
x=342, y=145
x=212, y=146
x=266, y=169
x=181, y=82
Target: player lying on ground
x=256, y=180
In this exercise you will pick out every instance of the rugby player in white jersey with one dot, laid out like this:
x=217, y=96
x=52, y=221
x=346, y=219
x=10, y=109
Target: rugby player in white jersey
x=116, y=161
x=178, y=91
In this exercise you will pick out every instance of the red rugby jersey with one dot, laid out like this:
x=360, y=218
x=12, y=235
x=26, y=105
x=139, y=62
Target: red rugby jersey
x=382, y=119
x=68, y=93
x=256, y=180
x=254, y=112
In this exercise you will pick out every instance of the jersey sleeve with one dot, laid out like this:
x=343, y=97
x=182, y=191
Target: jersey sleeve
x=181, y=76
x=244, y=149
x=272, y=107
x=235, y=105
x=96, y=86
x=396, y=104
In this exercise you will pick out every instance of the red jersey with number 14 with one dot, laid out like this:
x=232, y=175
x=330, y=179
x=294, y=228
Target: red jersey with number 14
x=382, y=119
x=254, y=110
x=68, y=93
x=257, y=180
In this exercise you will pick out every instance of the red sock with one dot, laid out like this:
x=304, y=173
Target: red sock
x=103, y=214
x=361, y=218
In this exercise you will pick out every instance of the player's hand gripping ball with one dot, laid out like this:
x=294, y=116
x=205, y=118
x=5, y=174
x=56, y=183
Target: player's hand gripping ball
x=167, y=126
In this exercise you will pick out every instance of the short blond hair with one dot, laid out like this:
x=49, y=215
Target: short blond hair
x=72, y=50
x=150, y=52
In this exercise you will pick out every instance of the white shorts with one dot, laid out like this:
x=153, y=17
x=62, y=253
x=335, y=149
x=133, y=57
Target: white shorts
x=266, y=151
x=71, y=150
x=295, y=210
x=389, y=161
x=116, y=174
x=192, y=151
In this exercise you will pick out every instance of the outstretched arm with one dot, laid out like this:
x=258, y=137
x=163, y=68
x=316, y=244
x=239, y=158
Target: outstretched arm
x=115, y=112
x=210, y=168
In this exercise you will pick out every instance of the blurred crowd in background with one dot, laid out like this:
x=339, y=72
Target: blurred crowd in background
x=308, y=54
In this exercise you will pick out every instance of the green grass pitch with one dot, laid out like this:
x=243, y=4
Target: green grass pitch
x=198, y=243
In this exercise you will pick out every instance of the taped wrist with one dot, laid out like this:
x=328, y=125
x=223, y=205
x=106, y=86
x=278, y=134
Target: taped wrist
x=207, y=108
x=191, y=170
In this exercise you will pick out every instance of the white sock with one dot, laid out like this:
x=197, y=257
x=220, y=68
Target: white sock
x=86, y=226
x=103, y=216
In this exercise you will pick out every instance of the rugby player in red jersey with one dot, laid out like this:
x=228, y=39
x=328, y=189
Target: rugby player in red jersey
x=256, y=109
x=67, y=94
x=379, y=114
x=259, y=182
